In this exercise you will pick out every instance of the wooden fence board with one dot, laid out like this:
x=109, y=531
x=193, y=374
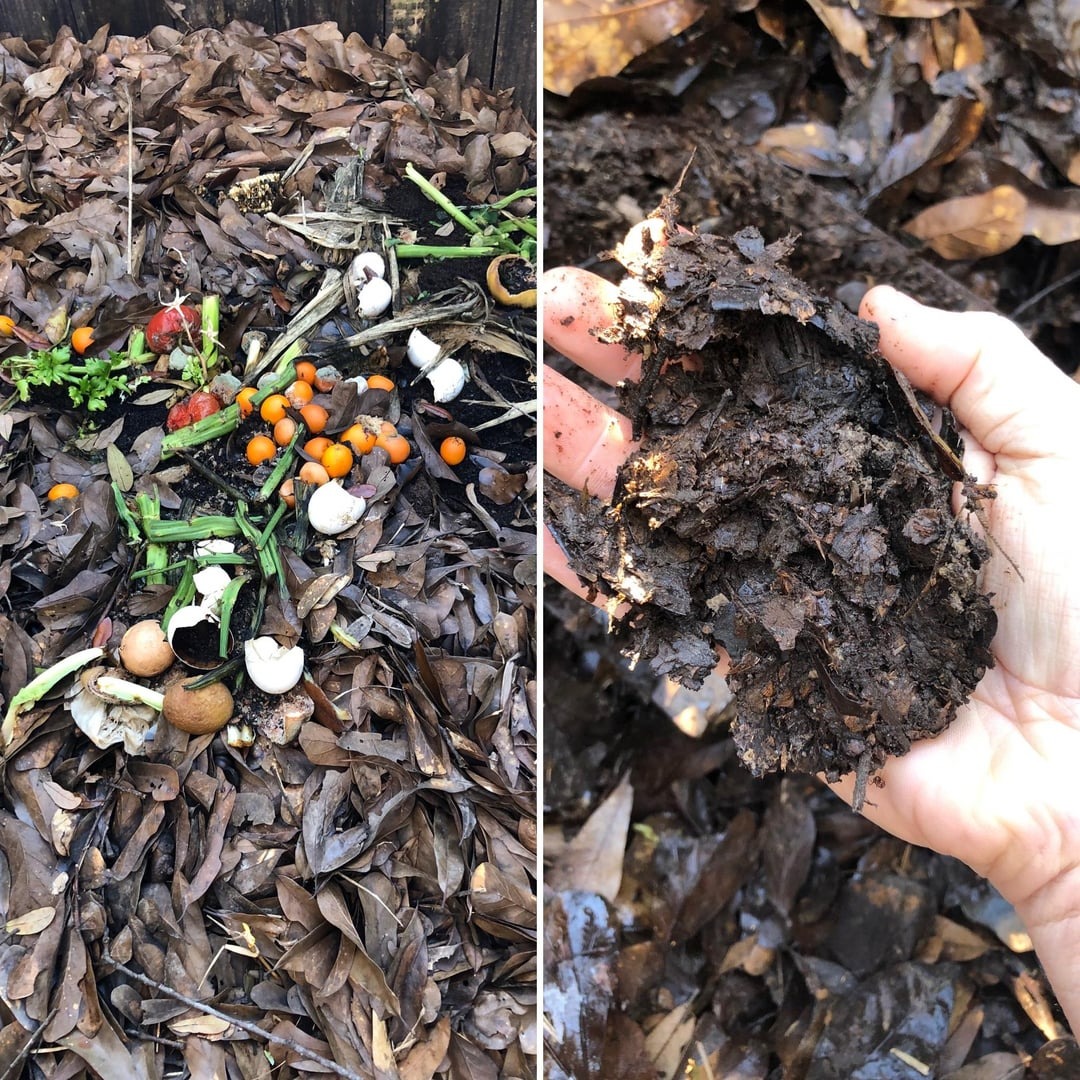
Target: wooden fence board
x=498, y=35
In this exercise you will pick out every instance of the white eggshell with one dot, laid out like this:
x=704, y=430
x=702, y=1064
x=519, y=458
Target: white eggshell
x=332, y=510
x=421, y=349
x=365, y=261
x=374, y=298
x=273, y=668
x=447, y=379
x=184, y=617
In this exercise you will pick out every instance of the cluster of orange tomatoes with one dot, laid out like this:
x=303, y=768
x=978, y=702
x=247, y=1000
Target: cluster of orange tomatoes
x=330, y=459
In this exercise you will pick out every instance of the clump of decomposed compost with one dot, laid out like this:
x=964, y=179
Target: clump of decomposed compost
x=790, y=504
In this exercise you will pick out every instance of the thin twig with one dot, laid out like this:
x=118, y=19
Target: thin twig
x=130, y=183
x=1031, y=301
x=13, y=1068
x=243, y=1025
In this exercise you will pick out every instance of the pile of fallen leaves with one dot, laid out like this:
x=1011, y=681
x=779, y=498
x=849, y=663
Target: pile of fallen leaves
x=358, y=900
x=700, y=923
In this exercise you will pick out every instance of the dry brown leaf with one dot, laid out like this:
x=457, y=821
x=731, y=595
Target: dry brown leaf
x=917, y=9
x=667, y=1043
x=972, y=226
x=811, y=148
x=428, y=1053
x=30, y=922
x=1053, y=216
x=846, y=26
x=207, y=1026
x=587, y=39
x=593, y=860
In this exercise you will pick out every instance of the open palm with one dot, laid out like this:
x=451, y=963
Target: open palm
x=998, y=789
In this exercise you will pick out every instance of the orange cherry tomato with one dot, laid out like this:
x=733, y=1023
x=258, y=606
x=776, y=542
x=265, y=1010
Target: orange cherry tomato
x=62, y=491
x=317, y=447
x=452, y=450
x=261, y=448
x=359, y=438
x=82, y=338
x=397, y=446
x=386, y=428
x=273, y=408
x=380, y=382
x=305, y=371
x=313, y=473
x=243, y=401
x=337, y=460
x=315, y=416
x=284, y=430
x=7, y=326
x=287, y=493
x=300, y=393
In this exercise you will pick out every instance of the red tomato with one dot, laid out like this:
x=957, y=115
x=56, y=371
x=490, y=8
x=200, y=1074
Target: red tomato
x=179, y=416
x=170, y=327
x=202, y=404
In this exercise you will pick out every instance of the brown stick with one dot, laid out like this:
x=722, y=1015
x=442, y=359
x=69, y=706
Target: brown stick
x=244, y=1025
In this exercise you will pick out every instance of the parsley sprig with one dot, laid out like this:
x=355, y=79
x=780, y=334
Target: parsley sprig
x=90, y=382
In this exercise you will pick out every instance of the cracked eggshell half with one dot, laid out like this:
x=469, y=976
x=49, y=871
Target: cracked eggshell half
x=373, y=298
x=366, y=265
x=332, y=510
x=211, y=583
x=421, y=350
x=447, y=380
x=273, y=668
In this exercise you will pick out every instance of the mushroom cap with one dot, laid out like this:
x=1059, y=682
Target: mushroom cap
x=198, y=711
x=144, y=649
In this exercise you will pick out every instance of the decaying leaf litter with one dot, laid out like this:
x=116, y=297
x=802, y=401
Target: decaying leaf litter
x=358, y=898
x=762, y=973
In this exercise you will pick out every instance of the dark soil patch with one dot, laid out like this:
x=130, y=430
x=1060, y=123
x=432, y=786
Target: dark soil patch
x=788, y=504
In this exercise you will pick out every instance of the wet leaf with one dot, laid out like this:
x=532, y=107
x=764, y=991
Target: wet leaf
x=119, y=469
x=844, y=25
x=972, y=226
x=593, y=859
x=586, y=39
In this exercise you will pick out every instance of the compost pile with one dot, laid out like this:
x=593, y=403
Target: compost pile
x=702, y=922
x=342, y=879
x=789, y=504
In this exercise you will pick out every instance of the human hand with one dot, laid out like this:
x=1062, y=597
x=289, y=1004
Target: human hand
x=997, y=789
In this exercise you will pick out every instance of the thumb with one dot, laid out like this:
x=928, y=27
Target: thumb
x=1010, y=396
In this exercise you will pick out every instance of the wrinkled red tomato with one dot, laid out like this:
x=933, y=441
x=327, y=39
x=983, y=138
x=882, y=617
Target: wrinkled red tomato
x=202, y=404
x=179, y=416
x=170, y=327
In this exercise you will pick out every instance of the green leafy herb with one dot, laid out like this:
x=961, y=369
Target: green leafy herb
x=89, y=382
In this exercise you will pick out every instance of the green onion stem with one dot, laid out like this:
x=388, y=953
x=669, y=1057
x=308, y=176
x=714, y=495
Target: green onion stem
x=211, y=325
x=213, y=526
x=228, y=602
x=273, y=481
x=222, y=671
x=125, y=515
x=437, y=197
x=157, y=555
x=436, y=251
x=266, y=564
x=185, y=593
x=509, y=200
